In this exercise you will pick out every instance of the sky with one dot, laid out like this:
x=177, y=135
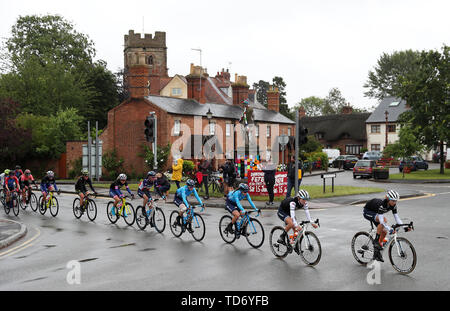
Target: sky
x=313, y=45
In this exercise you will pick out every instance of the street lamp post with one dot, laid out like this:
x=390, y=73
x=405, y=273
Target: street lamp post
x=386, y=113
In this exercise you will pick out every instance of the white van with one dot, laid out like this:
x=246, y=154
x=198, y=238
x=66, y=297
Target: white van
x=332, y=154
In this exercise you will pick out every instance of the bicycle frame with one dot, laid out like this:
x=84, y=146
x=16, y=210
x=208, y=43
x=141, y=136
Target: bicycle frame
x=123, y=206
x=392, y=237
x=190, y=214
x=301, y=233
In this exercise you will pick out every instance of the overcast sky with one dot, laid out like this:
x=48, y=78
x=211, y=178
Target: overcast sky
x=314, y=45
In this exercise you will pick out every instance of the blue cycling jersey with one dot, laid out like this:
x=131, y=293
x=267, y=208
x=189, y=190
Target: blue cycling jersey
x=237, y=196
x=184, y=192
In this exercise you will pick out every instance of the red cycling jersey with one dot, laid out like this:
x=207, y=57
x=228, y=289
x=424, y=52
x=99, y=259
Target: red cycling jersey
x=26, y=178
x=10, y=181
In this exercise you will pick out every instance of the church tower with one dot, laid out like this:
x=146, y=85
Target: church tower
x=145, y=58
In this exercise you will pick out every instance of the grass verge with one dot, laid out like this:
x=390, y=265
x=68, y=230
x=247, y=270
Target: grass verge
x=421, y=175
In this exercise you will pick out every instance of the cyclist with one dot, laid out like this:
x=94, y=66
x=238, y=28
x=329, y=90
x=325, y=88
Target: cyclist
x=234, y=206
x=180, y=200
x=145, y=186
x=114, y=189
x=3, y=177
x=286, y=212
x=24, y=181
x=18, y=171
x=162, y=185
x=374, y=210
x=48, y=183
x=80, y=185
x=11, y=184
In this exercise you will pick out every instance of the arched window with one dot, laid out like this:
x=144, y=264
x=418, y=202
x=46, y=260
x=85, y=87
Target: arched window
x=150, y=60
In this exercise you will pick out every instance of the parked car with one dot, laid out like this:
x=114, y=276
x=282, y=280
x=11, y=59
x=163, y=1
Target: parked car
x=364, y=168
x=415, y=162
x=372, y=155
x=332, y=155
x=345, y=161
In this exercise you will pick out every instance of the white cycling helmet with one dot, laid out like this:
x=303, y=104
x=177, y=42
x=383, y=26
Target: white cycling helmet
x=50, y=174
x=122, y=177
x=393, y=195
x=303, y=194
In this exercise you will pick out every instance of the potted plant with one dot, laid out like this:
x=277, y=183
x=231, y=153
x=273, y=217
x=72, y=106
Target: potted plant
x=380, y=172
x=447, y=164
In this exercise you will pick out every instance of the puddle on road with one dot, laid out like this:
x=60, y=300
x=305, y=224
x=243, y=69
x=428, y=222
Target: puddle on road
x=442, y=237
x=124, y=245
x=49, y=246
x=147, y=249
x=37, y=279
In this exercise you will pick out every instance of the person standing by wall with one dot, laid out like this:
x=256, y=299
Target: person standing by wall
x=269, y=179
x=291, y=176
x=205, y=169
x=177, y=171
x=229, y=176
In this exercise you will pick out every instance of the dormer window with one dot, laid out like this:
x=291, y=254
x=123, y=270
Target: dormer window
x=319, y=135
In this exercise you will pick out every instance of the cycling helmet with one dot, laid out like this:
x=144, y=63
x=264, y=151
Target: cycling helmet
x=18, y=167
x=6, y=172
x=27, y=172
x=151, y=173
x=243, y=187
x=85, y=172
x=50, y=174
x=122, y=177
x=393, y=195
x=303, y=194
x=190, y=183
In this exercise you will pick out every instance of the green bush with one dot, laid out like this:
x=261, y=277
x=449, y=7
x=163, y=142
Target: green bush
x=315, y=156
x=77, y=166
x=112, y=164
x=188, y=166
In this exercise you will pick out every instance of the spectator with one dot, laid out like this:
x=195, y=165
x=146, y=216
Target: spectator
x=205, y=169
x=229, y=176
x=269, y=179
x=291, y=176
x=162, y=185
x=177, y=171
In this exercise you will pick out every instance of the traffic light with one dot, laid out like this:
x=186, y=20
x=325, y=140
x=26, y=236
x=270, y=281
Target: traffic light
x=150, y=129
x=302, y=135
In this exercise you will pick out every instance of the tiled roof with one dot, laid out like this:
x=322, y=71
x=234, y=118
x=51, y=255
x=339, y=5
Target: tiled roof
x=191, y=107
x=390, y=105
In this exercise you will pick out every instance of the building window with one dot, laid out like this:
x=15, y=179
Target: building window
x=353, y=149
x=268, y=155
x=375, y=128
x=177, y=127
x=375, y=147
x=212, y=128
x=228, y=129
x=176, y=91
x=256, y=130
x=392, y=128
x=150, y=60
x=268, y=131
x=289, y=131
x=319, y=135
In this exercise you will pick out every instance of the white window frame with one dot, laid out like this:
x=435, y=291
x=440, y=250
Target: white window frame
x=212, y=128
x=257, y=130
x=177, y=127
x=268, y=131
x=228, y=129
x=176, y=91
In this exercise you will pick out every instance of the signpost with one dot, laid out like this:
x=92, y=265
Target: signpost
x=324, y=177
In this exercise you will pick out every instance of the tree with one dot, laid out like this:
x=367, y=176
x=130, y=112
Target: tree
x=407, y=145
x=14, y=140
x=261, y=91
x=384, y=79
x=50, y=39
x=427, y=92
x=284, y=108
x=334, y=102
x=312, y=105
x=49, y=134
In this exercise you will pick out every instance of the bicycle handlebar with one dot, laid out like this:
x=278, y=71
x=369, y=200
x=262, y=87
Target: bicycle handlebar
x=410, y=225
x=307, y=222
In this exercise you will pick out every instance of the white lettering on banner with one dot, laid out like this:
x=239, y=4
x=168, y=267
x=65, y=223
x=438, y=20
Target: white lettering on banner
x=257, y=186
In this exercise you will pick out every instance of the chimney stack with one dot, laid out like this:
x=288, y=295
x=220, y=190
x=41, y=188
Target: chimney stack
x=301, y=112
x=196, y=81
x=138, y=79
x=273, y=98
x=347, y=109
x=240, y=89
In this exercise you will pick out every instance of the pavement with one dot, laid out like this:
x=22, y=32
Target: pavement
x=10, y=232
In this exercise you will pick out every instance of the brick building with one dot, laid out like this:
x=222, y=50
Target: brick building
x=183, y=121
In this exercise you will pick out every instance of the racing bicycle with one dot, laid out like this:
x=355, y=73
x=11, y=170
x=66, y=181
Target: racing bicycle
x=123, y=209
x=247, y=226
x=153, y=216
x=305, y=243
x=191, y=221
x=51, y=204
x=402, y=254
x=89, y=206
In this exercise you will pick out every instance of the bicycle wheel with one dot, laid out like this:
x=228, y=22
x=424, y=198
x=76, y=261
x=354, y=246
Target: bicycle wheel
x=198, y=227
x=174, y=226
x=128, y=214
x=91, y=210
x=141, y=217
x=402, y=256
x=22, y=205
x=254, y=232
x=15, y=205
x=43, y=207
x=33, y=202
x=280, y=250
x=38, y=207
x=310, y=248
x=159, y=220
x=77, y=210
x=7, y=206
x=362, y=247
x=227, y=236
x=109, y=212
x=54, y=207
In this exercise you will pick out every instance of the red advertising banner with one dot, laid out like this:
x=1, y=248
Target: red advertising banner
x=258, y=187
